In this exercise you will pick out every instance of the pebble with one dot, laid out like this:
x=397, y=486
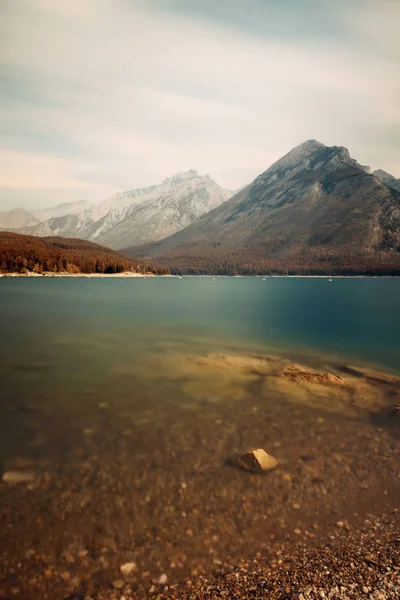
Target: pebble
x=163, y=579
x=127, y=568
x=257, y=461
x=118, y=584
x=18, y=476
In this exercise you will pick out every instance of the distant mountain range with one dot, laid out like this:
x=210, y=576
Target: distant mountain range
x=19, y=217
x=134, y=217
x=316, y=210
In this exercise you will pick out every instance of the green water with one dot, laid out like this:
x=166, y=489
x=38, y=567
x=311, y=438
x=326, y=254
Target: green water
x=70, y=345
x=355, y=319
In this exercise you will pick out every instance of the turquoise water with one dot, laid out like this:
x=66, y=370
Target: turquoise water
x=68, y=346
x=353, y=319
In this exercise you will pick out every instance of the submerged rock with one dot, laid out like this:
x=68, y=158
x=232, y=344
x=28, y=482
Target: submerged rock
x=296, y=373
x=127, y=568
x=395, y=412
x=257, y=461
x=18, y=476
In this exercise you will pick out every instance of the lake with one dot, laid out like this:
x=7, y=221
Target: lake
x=129, y=399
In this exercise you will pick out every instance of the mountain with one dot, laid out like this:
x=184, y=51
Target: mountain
x=316, y=210
x=23, y=253
x=66, y=208
x=20, y=218
x=14, y=219
x=387, y=179
x=140, y=216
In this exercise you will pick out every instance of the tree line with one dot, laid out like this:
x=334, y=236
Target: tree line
x=257, y=262
x=24, y=253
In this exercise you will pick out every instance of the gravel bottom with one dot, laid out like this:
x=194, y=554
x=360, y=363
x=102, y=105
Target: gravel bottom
x=353, y=564
x=120, y=494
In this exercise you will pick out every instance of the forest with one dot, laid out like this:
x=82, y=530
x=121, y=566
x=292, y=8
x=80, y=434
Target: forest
x=24, y=253
x=257, y=262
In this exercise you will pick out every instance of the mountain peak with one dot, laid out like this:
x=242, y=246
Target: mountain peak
x=298, y=155
x=181, y=176
x=309, y=155
x=309, y=145
x=381, y=174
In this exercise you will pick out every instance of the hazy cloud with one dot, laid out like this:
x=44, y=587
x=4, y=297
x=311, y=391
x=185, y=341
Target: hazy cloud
x=100, y=95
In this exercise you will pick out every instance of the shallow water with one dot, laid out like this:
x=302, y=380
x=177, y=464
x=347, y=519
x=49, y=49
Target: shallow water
x=129, y=397
x=69, y=345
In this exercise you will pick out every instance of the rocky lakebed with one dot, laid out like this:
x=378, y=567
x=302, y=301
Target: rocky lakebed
x=133, y=490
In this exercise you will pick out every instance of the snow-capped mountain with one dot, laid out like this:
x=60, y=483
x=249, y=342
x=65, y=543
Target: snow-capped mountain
x=140, y=216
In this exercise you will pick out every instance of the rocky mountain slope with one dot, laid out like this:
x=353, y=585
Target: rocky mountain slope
x=387, y=179
x=142, y=215
x=314, y=210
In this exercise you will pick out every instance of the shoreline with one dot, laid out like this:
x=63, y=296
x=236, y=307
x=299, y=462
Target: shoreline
x=129, y=274
x=124, y=274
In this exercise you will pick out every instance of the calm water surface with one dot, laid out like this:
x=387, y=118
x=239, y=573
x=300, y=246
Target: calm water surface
x=65, y=343
x=352, y=318
x=64, y=340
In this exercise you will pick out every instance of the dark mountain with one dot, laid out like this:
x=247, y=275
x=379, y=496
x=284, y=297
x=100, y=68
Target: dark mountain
x=316, y=210
x=387, y=179
x=22, y=253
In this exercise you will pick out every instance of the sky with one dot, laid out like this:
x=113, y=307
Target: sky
x=100, y=96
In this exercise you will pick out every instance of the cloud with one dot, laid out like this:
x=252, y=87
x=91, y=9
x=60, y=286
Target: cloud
x=102, y=95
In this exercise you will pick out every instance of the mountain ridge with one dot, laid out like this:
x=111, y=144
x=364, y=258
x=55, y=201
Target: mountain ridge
x=387, y=179
x=315, y=200
x=18, y=218
x=141, y=215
